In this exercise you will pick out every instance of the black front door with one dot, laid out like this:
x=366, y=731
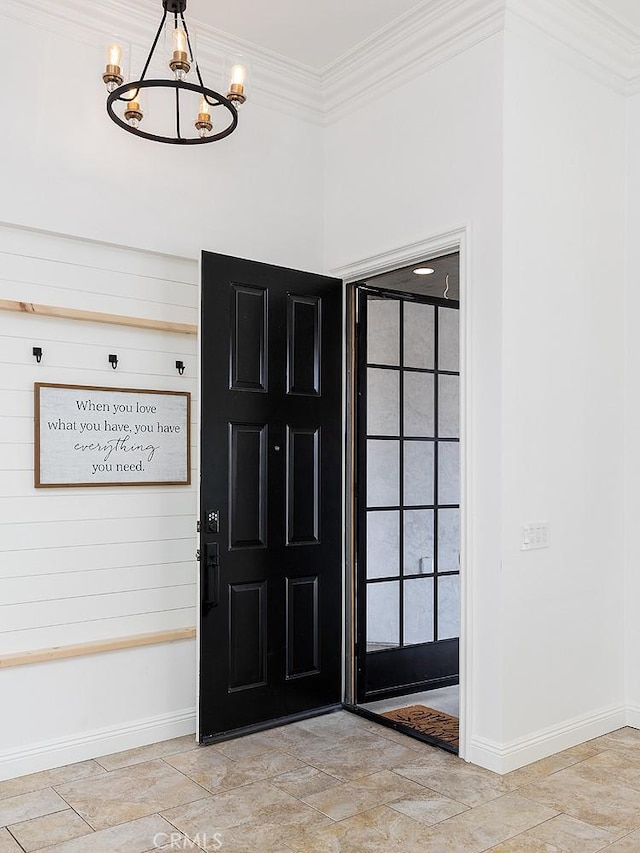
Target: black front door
x=271, y=504
x=408, y=581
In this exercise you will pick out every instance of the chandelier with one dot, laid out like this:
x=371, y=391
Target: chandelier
x=216, y=115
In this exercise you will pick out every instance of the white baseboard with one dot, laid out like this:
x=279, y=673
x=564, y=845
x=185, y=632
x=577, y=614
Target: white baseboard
x=501, y=759
x=633, y=716
x=523, y=751
x=93, y=744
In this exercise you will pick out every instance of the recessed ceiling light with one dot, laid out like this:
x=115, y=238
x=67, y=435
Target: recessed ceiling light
x=423, y=271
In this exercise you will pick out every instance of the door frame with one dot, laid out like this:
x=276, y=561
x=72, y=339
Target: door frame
x=455, y=240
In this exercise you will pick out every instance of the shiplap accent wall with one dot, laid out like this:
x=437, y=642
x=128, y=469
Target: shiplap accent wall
x=79, y=565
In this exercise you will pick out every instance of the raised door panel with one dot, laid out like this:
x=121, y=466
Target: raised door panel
x=304, y=333
x=249, y=336
x=247, y=636
x=303, y=640
x=303, y=486
x=248, y=481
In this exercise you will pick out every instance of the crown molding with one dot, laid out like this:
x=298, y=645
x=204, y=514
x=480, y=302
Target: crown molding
x=609, y=19
x=583, y=31
x=422, y=38
x=419, y=40
x=586, y=34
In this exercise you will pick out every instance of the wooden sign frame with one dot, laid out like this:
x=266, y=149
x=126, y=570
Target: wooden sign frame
x=124, y=464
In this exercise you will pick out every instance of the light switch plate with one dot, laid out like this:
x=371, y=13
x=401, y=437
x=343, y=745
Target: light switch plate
x=535, y=535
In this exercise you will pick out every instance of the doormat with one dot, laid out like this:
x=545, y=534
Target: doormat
x=436, y=724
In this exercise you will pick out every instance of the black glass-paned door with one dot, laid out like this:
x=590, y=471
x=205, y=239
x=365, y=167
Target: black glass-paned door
x=408, y=578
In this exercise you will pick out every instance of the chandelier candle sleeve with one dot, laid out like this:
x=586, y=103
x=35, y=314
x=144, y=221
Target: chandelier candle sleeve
x=113, y=72
x=236, y=87
x=180, y=64
x=133, y=114
x=204, y=125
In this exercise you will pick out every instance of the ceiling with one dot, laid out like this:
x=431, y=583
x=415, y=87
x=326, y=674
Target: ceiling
x=317, y=34
x=425, y=285
x=313, y=33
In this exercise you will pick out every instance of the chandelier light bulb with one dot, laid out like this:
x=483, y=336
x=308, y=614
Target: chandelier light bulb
x=114, y=54
x=238, y=75
x=180, y=64
x=112, y=76
x=179, y=40
x=236, y=87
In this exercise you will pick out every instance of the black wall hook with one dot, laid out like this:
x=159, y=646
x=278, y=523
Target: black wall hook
x=113, y=360
x=180, y=367
x=37, y=354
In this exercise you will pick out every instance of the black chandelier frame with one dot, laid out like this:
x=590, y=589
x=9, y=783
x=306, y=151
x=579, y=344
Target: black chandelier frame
x=130, y=90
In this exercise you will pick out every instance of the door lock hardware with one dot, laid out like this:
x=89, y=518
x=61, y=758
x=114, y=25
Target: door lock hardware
x=210, y=568
x=213, y=521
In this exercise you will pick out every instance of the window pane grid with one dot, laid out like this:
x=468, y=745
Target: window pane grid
x=432, y=414
x=397, y=368
x=413, y=438
x=374, y=509
x=413, y=577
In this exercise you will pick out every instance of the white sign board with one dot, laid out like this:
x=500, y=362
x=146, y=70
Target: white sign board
x=88, y=436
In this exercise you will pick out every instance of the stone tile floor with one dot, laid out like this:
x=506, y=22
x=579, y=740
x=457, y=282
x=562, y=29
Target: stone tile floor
x=332, y=784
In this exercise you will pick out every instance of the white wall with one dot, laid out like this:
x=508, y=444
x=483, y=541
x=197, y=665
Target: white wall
x=87, y=564
x=423, y=160
x=255, y=194
x=563, y=380
x=539, y=180
x=632, y=455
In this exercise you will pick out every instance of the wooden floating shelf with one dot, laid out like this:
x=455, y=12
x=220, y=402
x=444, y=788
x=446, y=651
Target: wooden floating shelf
x=97, y=317
x=97, y=648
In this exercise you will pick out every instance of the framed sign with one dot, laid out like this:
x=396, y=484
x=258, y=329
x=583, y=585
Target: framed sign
x=92, y=436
